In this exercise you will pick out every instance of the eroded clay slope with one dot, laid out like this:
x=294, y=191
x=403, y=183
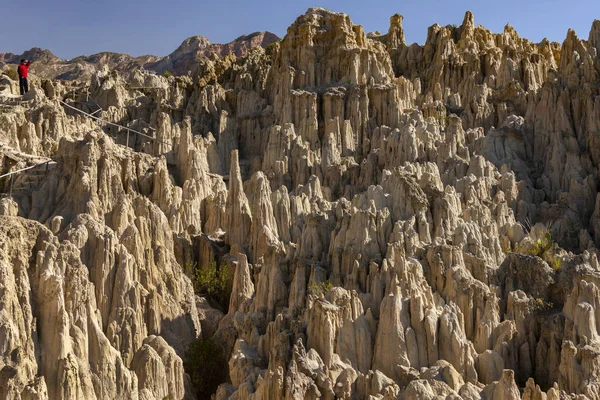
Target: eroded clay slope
x=405, y=222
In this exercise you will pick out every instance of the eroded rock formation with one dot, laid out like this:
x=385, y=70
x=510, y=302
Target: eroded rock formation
x=403, y=221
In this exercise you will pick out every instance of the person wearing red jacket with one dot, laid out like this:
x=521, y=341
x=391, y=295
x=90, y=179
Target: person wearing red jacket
x=23, y=70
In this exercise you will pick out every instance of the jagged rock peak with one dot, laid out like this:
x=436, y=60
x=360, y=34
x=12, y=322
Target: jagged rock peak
x=396, y=32
x=193, y=43
x=594, y=38
x=468, y=26
x=325, y=49
x=331, y=25
x=468, y=20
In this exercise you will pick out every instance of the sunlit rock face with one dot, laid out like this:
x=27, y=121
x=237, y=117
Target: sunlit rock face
x=401, y=221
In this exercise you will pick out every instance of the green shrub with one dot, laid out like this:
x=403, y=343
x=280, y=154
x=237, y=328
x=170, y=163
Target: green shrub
x=540, y=305
x=214, y=282
x=320, y=289
x=543, y=246
x=11, y=73
x=206, y=364
x=167, y=74
x=556, y=263
x=270, y=49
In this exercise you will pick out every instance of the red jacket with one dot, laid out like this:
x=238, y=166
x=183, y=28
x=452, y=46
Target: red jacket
x=23, y=70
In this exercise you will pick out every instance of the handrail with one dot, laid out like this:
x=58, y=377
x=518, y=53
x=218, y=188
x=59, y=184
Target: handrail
x=88, y=98
x=27, y=168
x=99, y=109
x=113, y=124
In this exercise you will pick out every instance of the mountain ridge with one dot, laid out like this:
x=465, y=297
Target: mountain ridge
x=183, y=59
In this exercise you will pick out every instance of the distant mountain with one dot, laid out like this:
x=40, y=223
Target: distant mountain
x=187, y=55
x=35, y=54
x=183, y=59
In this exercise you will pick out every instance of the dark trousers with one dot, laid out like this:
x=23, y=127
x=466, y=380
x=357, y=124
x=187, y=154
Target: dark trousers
x=23, y=85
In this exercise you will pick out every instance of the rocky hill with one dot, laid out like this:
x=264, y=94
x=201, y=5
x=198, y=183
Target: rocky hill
x=393, y=222
x=183, y=60
x=35, y=54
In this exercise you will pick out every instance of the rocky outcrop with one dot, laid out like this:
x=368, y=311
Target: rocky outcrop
x=101, y=282
x=402, y=222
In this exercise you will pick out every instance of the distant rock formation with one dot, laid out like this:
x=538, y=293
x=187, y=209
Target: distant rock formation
x=35, y=54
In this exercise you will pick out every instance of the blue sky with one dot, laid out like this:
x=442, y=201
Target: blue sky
x=70, y=28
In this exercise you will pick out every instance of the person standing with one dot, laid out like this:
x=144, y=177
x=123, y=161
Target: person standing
x=23, y=70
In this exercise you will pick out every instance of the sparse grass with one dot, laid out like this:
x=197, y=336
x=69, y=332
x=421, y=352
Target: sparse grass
x=320, y=289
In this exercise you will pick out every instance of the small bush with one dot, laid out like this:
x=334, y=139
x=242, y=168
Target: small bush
x=11, y=73
x=540, y=305
x=320, y=289
x=206, y=364
x=555, y=262
x=270, y=49
x=167, y=74
x=215, y=283
x=543, y=246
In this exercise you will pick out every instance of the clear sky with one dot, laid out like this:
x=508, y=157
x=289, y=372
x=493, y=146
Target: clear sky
x=70, y=28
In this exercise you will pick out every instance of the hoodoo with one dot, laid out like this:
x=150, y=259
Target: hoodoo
x=331, y=215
